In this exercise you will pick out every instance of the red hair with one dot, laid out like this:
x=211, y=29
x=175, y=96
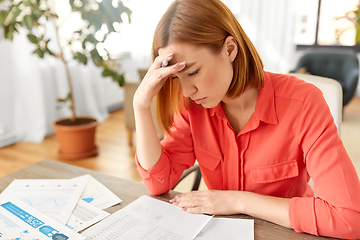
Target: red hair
x=205, y=23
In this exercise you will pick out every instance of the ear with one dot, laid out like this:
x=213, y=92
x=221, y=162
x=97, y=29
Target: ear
x=231, y=48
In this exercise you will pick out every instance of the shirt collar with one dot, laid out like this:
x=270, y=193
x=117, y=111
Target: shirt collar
x=218, y=111
x=265, y=109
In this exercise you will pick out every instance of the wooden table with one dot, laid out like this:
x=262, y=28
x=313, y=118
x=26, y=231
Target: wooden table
x=128, y=191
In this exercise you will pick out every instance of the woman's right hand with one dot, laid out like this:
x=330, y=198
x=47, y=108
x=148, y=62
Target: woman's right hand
x=154, y=80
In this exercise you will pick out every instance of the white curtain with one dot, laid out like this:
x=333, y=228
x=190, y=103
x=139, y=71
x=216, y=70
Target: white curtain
x=35, y=84
x=270, y=26
x=38, y=83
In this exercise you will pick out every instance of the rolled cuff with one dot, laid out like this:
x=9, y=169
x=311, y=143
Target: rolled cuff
x=302, y=215
x=154, y=178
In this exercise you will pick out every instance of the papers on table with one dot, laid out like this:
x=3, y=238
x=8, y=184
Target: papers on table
x=65, y=200
x=56, y=198
x=20, y=221
x=148, y=218
x=85, y=215
x=38, y=209
x=97, y=194
x=227, y=228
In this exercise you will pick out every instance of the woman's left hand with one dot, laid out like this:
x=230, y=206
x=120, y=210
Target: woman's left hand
x=211, y=202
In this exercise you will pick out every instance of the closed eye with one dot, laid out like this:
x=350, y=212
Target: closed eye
x=193, y=73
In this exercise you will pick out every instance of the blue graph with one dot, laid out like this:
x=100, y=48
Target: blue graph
x=46, y=204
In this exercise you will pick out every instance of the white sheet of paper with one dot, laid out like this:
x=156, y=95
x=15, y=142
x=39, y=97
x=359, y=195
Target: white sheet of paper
x=20, y=221
x=97, y=194
x=85, y=215
x=56, y=198
x=150, y=219
x=227, y=228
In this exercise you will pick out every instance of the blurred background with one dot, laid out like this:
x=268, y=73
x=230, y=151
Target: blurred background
x=281, y=30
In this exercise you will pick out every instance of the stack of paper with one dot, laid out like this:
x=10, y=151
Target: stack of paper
x=40, y=208
x=34, y=209
x=152, y=219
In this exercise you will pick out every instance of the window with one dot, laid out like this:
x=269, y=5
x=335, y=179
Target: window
x=332, y=29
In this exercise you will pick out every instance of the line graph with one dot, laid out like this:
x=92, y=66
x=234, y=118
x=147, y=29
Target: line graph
x=47, y=201
x=52, y=205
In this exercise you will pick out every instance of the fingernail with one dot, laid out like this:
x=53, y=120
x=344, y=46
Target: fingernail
x=174, y=66
x=170, y=55
x=159, y=76
x=184, y=209
x=182, y=64
x=175, y=203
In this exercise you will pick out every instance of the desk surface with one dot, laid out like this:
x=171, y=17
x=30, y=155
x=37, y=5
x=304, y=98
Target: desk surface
x=128, y=191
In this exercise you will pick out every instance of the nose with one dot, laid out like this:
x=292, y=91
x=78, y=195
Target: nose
x=188, y=89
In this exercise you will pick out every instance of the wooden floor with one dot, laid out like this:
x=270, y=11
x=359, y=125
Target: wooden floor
x=116, y=157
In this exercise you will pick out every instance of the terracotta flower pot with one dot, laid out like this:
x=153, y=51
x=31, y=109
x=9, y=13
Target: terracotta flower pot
x=76, y=139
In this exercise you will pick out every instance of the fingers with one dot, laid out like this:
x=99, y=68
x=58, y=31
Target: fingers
x=159, y=60
x=170, y=70
x=197, y=202
x=154, y=79
x=195, y=210
x=189, y=200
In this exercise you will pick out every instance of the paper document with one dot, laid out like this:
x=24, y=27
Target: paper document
x=56, y=198
x=150, y=219
x=97, y=194
x=21, y=222
x=227, y=228
x=85, y=215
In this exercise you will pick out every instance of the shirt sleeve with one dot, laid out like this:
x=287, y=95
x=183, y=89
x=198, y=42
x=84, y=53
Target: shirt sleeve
x=335, y=210
x=177, y=156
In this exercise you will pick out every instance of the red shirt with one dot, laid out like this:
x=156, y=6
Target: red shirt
x=290, y=137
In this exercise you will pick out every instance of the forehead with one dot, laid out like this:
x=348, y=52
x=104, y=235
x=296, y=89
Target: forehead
x=185, y=52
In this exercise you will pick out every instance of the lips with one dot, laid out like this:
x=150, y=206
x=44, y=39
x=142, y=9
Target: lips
x=199, y=100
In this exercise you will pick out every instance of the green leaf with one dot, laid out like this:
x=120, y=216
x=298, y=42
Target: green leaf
x=39, y=52
x=28, y=22
x=36, y=13
x=9, y=32
x=80, y=57
x=65, y=99
x=72, y=3
x=95, y=56
x=107, y=73
x=357, y=37
x=121, y=80
x=32, y=38
x=14, y=16
x=3, y=15
x=123, y=9
x=84, y=44
x=28, y=3
x=91, y=38
x=49, y=51
x=94, y=19
x=109, y=13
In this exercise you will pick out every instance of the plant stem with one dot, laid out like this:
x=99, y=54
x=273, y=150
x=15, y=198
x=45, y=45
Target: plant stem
x=67, y=70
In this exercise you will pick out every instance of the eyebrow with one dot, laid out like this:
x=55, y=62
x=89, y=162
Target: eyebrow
x=186, y=67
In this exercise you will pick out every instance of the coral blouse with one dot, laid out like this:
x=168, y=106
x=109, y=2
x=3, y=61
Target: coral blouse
x=290, y=138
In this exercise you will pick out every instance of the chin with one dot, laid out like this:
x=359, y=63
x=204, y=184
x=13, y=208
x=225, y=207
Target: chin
x=209, y=105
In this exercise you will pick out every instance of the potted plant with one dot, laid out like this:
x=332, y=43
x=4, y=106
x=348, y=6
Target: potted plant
x=35, y=16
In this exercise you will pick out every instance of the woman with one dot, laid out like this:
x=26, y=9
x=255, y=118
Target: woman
x=258, y=136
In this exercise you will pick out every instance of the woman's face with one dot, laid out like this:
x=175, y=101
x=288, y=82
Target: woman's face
x=206, y=76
